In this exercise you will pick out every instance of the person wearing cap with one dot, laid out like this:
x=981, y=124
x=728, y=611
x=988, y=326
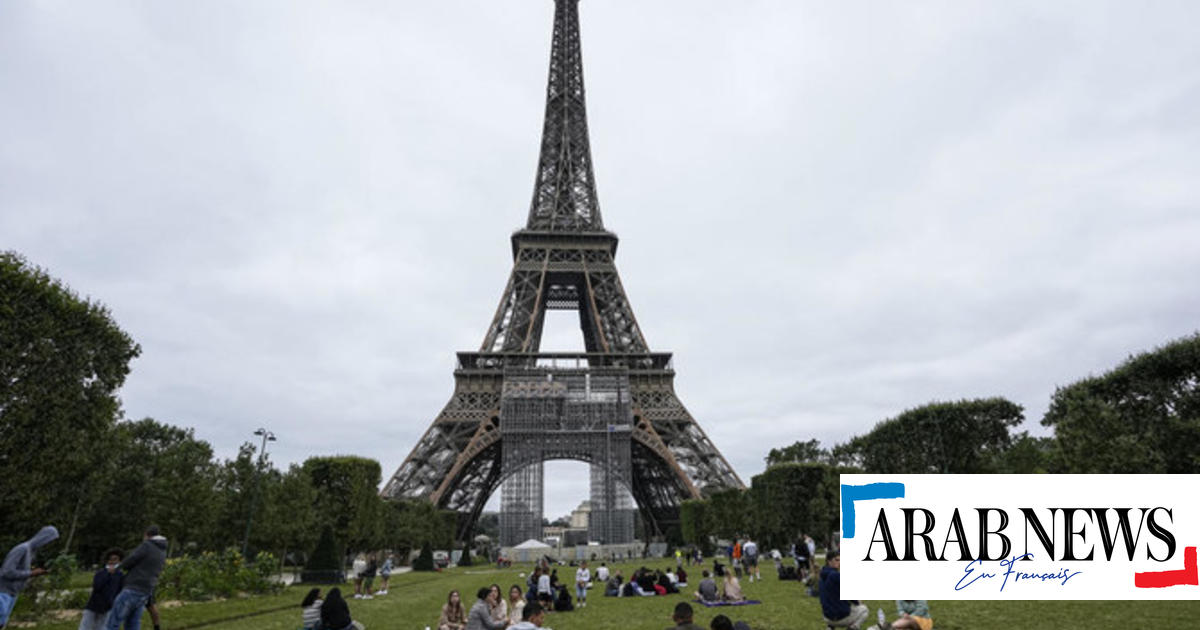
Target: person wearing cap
x=18, y=569
x=142, y=568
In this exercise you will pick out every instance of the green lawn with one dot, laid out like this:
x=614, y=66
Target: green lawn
x=415, y=600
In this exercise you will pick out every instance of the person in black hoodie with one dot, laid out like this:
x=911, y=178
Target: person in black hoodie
x=106, y=583
x=335, y=614
x=142, y=568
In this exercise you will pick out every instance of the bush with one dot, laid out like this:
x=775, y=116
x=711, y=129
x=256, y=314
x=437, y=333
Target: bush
x=424, y=562
x=211, y=575
x=324, y=565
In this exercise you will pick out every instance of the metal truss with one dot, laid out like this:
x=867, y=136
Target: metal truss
x=563, y=259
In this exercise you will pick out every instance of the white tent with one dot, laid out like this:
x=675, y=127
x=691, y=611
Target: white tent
x=530, y=549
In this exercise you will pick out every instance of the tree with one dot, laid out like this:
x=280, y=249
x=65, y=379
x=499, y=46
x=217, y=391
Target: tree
x=62, y=360
x=788, y=499
x=424, y=561
x=694, y=524
x=727, y=513
x=348, y=498
x=153, y=473
x=799, y=453
x=968, y=436
x=1141, y=417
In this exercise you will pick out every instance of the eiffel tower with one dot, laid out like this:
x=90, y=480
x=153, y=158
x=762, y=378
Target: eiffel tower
x=514, y=407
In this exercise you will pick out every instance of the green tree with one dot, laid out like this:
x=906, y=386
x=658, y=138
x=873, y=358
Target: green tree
x=806, y=452
x=285, y=519
x=695, y=524
x=348, y=498
x=728, y=512
x=968, y=436
x=62, y=360
x=153, y=473
x=1141, y=417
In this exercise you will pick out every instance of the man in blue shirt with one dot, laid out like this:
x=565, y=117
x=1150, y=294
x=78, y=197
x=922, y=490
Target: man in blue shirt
x=838, y=613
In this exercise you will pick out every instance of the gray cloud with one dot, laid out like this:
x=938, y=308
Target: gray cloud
x=829, y=212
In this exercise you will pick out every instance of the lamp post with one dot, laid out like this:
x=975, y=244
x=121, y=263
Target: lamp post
x=267, y=436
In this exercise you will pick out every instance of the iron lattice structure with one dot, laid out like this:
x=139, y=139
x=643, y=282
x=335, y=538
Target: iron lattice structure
x=562, y=259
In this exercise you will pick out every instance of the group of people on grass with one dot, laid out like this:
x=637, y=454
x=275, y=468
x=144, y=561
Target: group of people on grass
x=328, y=612
x=646, y=582
x=121, y=589
x=730, y=590
x=491, y=611
x=363, y=572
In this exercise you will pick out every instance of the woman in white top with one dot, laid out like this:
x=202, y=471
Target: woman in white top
x=516, y=605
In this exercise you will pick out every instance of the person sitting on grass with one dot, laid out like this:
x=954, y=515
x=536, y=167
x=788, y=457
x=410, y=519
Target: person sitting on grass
x=612, y=587
x=683, y=618
x=732, y=591
x=562, y=603
x=497, y=606
x=721, y=622
x=532, y=617
x=516, y=604
x=480, y=615
x=914, y=615
x=454, y=617
x=708, y=590
x=681, y=579
x=310, y=610
x=335, y=614
x=838, y=612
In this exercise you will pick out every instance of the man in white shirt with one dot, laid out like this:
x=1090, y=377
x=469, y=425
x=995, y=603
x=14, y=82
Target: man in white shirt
x=602, y=572
x=582, y=578
x=750, y=559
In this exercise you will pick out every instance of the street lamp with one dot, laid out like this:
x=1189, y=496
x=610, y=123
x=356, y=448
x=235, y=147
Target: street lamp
x=267, y=436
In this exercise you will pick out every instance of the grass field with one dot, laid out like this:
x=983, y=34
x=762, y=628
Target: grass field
x=415, y=600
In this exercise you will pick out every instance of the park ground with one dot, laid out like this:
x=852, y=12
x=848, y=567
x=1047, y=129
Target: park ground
x=415, y=599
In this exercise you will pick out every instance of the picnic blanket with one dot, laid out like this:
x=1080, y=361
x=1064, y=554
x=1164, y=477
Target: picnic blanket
x=745, y=602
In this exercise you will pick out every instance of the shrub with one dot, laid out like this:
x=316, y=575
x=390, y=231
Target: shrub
x=424, y=562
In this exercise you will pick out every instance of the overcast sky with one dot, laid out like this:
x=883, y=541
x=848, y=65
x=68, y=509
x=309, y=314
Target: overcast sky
x=830, y=212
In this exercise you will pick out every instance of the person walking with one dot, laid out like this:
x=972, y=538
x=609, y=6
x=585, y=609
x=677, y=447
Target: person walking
x=750, y=560
x=106, y=584
x=142, y=568
x=18, y=569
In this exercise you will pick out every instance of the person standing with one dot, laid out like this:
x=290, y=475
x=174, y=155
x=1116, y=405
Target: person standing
x=359, y=570
x=142, y=568
x=583, y=578
x=750, y=560
x=385, y=574
x=369, y=576
x=838, y=613
x=106, y=584
x=18, y=569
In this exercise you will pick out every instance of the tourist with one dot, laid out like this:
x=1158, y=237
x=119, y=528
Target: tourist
x=554, y=579
x=683, y=618
x=516, y=605
x=18, y=568
x=385, y=574
x=678, y=559
x=735, y=557
x=531, y=617
x=369, y=576
x=335, y=613
x=480, y=615
x=142, y=568
x=454, y=617
x=612, y=586
x=750, y=560
x=497, y=605
x=838, y=613
x=358, y=571
x=721, y=622
x=663, y=583
x=811, y=546
x=310, y=610
x=562, y=603
x=602, y=573
x=583, y=578
x=681, y=579
x=152, y=610
x=913, y=615
x=106, y=583
x=545, y=592
x=732, y=589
